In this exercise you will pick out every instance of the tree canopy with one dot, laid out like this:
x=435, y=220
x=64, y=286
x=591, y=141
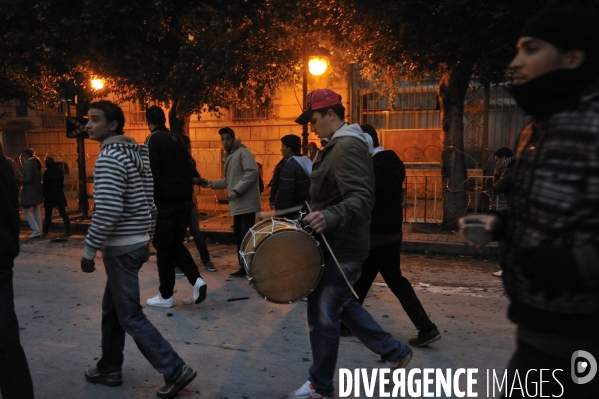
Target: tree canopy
x=196, y=56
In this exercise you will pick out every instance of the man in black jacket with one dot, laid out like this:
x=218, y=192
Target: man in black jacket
x=15, y=379
x=169, y=161
x=552, y=219
x=293, y=187
x=385, y=241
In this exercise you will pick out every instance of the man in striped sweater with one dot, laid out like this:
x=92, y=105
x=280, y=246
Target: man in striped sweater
x=122, y=227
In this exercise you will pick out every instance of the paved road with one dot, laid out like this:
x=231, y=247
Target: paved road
x=244, y=349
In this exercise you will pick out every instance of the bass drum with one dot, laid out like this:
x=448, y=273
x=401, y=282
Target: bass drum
x=283, y=262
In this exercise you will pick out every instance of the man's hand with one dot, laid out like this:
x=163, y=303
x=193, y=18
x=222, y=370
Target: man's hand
x=206, y=183
x=477, y=231
x=317, y=221
x=233, y=196
x=87, y=265
x=197, y=181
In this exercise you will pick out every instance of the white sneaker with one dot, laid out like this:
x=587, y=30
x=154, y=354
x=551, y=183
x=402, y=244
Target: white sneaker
x=35, y=235
x=199, y=290
x=159, y=301
x=498, y=274
x=306, y=391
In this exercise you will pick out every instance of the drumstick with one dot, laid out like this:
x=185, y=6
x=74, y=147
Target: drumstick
x=335, y=259
x=278, y=212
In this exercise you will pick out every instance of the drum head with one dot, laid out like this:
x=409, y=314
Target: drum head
x=287, y=266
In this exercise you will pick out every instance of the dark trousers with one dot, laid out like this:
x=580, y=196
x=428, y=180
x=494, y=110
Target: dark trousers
x=63, y=214
x=122, y=313
x=385, y=259
x=241, y=225
x=198, y=238
x=168, y=241
x=15, y=379
x=528, y=358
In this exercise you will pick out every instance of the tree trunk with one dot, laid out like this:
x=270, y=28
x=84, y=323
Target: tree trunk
x=452, y=93
x=179, y=122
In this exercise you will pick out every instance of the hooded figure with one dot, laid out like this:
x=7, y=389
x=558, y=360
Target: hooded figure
x=53, y=183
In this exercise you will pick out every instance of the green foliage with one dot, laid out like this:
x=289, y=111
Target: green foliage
x=198, y=55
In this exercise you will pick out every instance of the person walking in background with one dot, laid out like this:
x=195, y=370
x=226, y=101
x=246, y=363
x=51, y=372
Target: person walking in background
x=273, y=184
x=15, y=378
x=385, y=241
x=242, y=184
x=341, y=201
x=122, y=227
x=194, y=226
x=173, y=191
x=502, y=185
x=293, y=188
x=551, y=223
x=312, y=151
x=31, y=194
x=54, y=197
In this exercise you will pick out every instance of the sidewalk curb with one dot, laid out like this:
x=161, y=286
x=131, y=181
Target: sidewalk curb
x=222, y=237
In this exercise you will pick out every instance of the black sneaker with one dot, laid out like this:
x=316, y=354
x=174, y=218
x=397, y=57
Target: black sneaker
x=171, y=389
x=113, y=379
x=209, y=266
x=425, y=337
x=239, y=273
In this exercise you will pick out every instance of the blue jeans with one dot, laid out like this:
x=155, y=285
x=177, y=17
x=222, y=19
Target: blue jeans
x=122, y=313
x=330, y=304
x=15, y=379
x=33, y=214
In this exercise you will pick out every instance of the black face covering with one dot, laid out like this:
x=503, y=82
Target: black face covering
x=552, y=92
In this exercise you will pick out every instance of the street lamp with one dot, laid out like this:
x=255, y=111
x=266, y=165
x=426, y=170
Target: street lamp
x=84, y=98
x=97, y=84
x=317, y=65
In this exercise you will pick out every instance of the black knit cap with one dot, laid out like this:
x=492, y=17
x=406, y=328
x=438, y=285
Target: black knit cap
x=567, y=24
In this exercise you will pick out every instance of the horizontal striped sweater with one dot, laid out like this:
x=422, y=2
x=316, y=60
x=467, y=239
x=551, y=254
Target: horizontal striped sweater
x=124, y=210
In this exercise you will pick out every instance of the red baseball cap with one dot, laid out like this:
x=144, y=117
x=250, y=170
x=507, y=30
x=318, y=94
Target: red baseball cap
x=318, y=99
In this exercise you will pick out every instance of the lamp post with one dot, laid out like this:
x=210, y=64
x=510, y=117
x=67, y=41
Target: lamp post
x=316, y=65
x=84, y=97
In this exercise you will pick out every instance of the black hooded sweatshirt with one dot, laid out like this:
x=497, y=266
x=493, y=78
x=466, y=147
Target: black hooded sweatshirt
x=389, y=174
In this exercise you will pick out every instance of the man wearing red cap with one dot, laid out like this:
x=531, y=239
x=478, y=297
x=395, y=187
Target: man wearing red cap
x=551, y=224
x=341, y=200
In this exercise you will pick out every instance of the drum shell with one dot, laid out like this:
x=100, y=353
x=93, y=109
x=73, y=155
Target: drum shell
x=283, y=262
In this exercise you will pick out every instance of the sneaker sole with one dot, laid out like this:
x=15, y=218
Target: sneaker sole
x=210, y=270
x=177, y=389
x=405, y=361
x=161, y=306
x=202, y=294
x=425, y=343
x=99, y=380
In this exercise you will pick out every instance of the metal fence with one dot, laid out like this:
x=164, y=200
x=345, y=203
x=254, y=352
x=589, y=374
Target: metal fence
x=492, y=119
x=423, y=197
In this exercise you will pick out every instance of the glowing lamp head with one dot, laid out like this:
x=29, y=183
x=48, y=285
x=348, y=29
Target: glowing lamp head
x=317, y=65
x=97, y=84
